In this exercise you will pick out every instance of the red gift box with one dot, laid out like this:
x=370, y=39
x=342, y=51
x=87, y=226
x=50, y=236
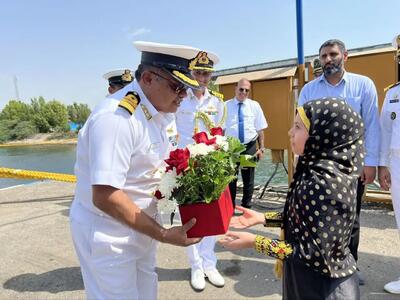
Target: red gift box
x=211, y=219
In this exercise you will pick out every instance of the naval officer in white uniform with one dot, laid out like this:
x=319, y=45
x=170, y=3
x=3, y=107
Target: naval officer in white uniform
x=113, y=217
x=389, y=162
x=201, y=110
x=118, y=79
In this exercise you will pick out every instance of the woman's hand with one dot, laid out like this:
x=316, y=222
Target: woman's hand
x=234, y=240
x=247, y=219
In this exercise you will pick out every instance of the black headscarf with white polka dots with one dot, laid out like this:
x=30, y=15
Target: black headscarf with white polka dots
x=321, y=204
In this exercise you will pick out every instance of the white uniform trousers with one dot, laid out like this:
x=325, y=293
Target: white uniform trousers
x=395, y=188
x=116, y=261
x=202, y=255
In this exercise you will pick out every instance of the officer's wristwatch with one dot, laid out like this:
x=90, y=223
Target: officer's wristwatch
x=262, y=150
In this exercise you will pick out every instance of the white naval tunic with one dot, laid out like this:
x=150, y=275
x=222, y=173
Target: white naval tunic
x=185, y=116
x=201, y=255
x=254, y=119
x=123, y=151
x=390, y=143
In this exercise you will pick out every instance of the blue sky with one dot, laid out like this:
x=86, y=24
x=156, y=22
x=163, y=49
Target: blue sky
x=59, y=49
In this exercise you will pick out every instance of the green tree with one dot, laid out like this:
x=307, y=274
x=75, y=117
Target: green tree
x=23, y=130
x=56, y=115
x=38, y=106
x=78, y=113
x=16, y=130
x=5, y=134
x=16, y=110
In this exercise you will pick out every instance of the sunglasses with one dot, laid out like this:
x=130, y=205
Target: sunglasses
x=177, y=88
x=242, y=90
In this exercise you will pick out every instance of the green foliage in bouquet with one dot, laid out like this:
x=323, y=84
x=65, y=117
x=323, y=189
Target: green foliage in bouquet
x=208, y=175
x=201, y=171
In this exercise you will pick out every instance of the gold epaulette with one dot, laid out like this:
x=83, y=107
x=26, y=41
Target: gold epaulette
x=217, y=94
x=390, y=86
x=130, y=102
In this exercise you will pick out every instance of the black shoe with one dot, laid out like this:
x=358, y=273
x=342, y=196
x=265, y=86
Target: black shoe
x=246, y=205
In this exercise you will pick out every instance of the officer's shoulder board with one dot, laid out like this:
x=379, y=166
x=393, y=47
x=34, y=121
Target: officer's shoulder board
x=130, y=102
x=216, y=94
x=391, y=86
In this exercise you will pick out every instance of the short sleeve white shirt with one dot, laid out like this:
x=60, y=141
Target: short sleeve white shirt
x=254, y=119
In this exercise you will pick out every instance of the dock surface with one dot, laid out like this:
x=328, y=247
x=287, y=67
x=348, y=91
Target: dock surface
x=38, y=260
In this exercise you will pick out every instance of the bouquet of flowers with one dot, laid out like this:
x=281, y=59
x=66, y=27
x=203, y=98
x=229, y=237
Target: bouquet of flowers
x=200, y=172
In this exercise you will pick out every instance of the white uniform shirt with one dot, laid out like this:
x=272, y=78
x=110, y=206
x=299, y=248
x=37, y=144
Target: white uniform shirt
x=212, y=106
x=253, y=117
x=123, y=151
x=390, y=126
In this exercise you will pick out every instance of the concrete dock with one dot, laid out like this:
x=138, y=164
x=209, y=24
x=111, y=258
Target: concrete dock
x=38, y=259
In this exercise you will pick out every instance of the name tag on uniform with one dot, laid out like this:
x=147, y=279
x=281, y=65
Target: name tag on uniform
x=172, y=136
x=173, y=140
x=393, y=100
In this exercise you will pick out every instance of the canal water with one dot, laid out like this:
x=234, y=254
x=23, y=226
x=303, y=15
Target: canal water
x=48, y=158
x=61, y=159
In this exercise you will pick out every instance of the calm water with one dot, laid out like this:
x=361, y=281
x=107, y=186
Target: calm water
x=50, y=158
x=61, y=159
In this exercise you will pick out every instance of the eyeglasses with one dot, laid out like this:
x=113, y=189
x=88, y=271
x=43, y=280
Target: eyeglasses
x=242, y=90
x=177, y=88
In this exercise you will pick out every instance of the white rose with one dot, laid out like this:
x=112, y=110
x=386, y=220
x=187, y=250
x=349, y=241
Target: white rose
x=200, y=149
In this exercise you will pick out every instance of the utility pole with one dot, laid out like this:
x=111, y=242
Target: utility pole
x=16, y=88
x=297, y=82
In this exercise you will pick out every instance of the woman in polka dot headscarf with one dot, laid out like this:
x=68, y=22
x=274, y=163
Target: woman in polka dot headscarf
x=320, y=207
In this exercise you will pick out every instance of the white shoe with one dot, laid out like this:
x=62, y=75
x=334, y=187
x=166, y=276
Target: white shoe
x=197, y=279
x=215, y=277
x=392, y=287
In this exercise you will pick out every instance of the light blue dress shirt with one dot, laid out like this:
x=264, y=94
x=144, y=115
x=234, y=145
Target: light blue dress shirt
x=360, y=93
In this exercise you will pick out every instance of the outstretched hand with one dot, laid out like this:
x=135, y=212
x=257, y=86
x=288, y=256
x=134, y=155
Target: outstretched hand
x=247, y=219
x=177, y=235
x=234, y=240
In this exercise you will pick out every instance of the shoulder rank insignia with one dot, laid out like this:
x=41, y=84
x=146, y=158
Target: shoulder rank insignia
x=390, y=86
x=216, y=94
x=130, y=102
x=146, y=112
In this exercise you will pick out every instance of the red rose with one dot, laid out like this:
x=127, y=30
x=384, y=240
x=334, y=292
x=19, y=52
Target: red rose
x=178, y=159
x=216, y=131
x=202, y=137
x=158, y=195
